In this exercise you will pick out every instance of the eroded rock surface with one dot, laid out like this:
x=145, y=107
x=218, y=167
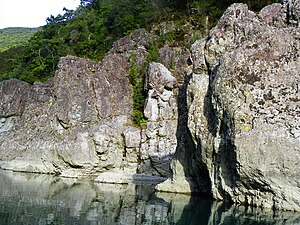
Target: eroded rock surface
x=244, y=108
x=79, y=122
x=226, y=122
x=74, y=121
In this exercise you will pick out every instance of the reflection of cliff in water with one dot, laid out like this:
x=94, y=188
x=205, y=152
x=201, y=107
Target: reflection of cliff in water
x=43, y=199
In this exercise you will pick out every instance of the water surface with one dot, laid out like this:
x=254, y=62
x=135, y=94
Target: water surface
x=44, y=199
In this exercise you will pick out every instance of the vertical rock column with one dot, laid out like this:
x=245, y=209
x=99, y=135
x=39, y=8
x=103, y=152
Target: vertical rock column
x=159, y=138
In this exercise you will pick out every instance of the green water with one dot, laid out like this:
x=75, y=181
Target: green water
x=43, y=199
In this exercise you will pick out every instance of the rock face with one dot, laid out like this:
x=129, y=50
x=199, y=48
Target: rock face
x=74, y=121
x=158, y=144
x=244, y=109
x=226, y=123
x=79, y=122
x=291, y=11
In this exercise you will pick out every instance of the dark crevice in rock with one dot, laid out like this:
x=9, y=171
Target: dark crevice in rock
x=225, y=159
x=161, y=165
x=158, y=164
x=63, y=124
x=95, y=106
x=186, y=152
x=74, y=166
x=68, y=164
x=57, y=168
x=119, y=211
x=210, y=112
x=201, y=171
x=291, y=11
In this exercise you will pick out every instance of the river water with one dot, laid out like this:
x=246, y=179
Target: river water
x=44, y=199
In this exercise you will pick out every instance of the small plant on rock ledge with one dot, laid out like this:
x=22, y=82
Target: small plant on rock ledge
x=137, y=74
x=137, y=78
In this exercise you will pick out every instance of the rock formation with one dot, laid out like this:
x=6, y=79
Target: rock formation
x=291, y=11
x=226, y=123
x=66, y=123
x=244, y=111
x=47, y=199
x=79, y=122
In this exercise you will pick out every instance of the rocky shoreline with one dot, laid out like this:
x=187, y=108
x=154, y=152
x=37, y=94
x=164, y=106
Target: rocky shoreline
x=225, y=122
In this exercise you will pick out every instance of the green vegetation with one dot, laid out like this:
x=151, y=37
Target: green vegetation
x=12, y=48
x=137, y=79
x=90, y=30
x=15, y=36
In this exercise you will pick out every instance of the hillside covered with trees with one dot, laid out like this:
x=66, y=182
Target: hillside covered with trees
x=90, y=30
x=15, y=36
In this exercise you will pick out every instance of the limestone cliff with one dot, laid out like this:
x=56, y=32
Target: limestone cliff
x=225, y=123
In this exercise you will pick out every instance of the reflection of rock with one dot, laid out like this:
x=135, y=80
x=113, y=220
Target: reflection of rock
x=118, y=177
x=223, y=214
x=47, y=199
x=177, y=204
x=126, y=177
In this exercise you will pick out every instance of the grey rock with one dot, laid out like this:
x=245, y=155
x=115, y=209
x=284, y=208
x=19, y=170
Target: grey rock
x=138, y=39
x=132, y=137
x=271, y=14
x=225, y=123
x=75, y=120
x=159, y=141
x=176, y=59
x=13, y=95
x=291, y=11
x=151, y=108
x=178, y=183
x=244, y=110
x=159, y=78
x=79, y=122
x=6, y=123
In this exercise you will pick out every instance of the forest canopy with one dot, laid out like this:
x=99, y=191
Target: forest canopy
x=15, y=36
x=90, y=30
